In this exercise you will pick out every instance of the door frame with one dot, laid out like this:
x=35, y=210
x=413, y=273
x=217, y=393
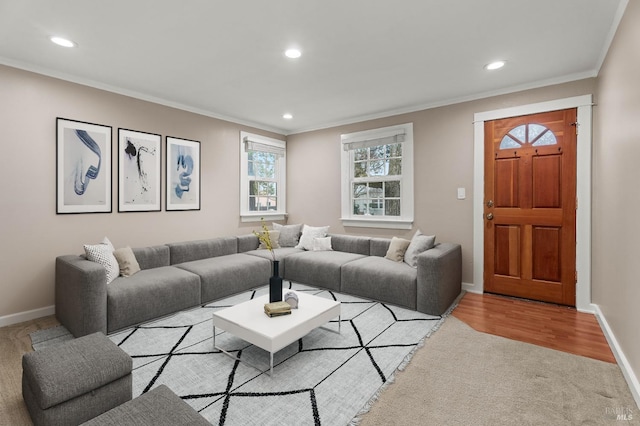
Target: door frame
x=584, y=106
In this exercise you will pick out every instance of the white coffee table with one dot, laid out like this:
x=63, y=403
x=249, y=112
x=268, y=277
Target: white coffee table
x=248, y=321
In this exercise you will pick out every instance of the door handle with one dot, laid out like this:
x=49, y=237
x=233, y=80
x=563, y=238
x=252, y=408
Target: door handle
x=490, y=216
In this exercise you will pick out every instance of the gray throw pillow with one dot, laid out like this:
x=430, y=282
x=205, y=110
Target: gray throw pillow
x=419, y=243
x=397, y=249
x=289, y=234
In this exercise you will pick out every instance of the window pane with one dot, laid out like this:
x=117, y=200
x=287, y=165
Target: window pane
x=272, y=203
x=546, y=139
x=359, y=207
x=392, y=189
x=377, y=151
x=252, y=204
x=375, y=190
x=519, y=133
x=359, y=190
x=508, y=143
x=253, y=188
x=395, y=167
x=360, y=154
x=271, y=188
x=262, y=164
x=534, y=131
x=378, y=168
x=376, y=207
x=360, y=169
x=394, y=150
x=392, y=207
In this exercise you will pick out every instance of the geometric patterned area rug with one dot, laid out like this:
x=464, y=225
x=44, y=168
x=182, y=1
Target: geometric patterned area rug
x=325, y=378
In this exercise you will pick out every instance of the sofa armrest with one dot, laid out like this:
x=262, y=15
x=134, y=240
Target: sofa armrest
x=81, y=295
x=439, y=278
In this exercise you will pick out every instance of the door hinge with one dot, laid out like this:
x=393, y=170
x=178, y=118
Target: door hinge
x=576, y=203
x=576, y=277
x=576, y=125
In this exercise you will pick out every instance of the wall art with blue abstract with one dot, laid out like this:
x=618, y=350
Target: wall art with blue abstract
x=183, y=174
x=83, y=181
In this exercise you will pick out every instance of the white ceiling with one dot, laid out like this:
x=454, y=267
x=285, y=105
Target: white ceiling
x=361, y=58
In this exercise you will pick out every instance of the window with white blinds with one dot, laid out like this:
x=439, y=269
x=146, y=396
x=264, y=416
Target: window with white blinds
x=377, y=177
x=262, y=178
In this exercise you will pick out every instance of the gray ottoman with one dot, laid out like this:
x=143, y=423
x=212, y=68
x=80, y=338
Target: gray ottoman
x=75, y=381
x=160, y=406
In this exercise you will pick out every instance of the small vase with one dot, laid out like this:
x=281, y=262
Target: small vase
x=275, y=284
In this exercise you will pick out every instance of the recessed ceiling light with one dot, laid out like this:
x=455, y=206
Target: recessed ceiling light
x=287, y=116
x=494, y=65
x=293, y=53
x=61, y=41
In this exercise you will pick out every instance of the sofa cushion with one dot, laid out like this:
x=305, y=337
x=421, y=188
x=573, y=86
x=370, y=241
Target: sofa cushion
x=317, y=268
x=280, y=254
x=381, y=279
x=152, y=257
x=226, y=275
x=379, y=246
x=149, y=294
x=350, y=243
x=202, y=249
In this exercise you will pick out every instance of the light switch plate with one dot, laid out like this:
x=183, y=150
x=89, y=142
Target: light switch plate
x=461, y=194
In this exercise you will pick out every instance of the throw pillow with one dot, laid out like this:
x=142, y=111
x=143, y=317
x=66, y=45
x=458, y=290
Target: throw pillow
x=322, y=244
x=419, y=243
x=127, y=261
x=103, y=254
x=397, y=249
x=274, y=236
x=289, y=234
x=309, y=233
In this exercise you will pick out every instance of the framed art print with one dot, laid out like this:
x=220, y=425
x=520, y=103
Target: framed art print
x=138, y=171
x=83, y=167
x=183, y=174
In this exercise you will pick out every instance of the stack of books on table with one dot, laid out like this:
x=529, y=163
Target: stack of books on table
x=276, y=309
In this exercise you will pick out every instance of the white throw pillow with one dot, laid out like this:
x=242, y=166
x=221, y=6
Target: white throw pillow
x=103, y=254
x=308, y=234
x=419, y=244
x=322, y=244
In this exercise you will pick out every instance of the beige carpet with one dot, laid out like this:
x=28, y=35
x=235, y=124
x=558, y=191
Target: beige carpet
x=463, y=377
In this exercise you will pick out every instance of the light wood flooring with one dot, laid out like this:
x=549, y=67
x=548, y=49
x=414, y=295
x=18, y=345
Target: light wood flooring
x=543, y=324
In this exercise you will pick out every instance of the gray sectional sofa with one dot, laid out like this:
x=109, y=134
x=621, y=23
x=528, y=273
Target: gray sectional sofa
x=182, y=275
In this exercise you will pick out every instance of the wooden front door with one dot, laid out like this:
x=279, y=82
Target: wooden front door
x=530, y=207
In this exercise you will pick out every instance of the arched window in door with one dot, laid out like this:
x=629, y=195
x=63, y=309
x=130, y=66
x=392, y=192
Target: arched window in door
x=528, y=134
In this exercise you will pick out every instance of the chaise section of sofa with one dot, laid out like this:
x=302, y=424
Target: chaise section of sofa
x=222, y=270
x=85, y=303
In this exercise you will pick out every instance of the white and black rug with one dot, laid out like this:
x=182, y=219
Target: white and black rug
x=324, y=378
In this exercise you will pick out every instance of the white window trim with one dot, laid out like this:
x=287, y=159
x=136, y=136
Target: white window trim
x=269, y=144
x=405, y=221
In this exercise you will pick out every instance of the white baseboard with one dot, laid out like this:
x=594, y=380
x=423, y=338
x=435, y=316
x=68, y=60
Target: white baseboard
x=27, y=315
x=627, y=371
x=471, y=288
